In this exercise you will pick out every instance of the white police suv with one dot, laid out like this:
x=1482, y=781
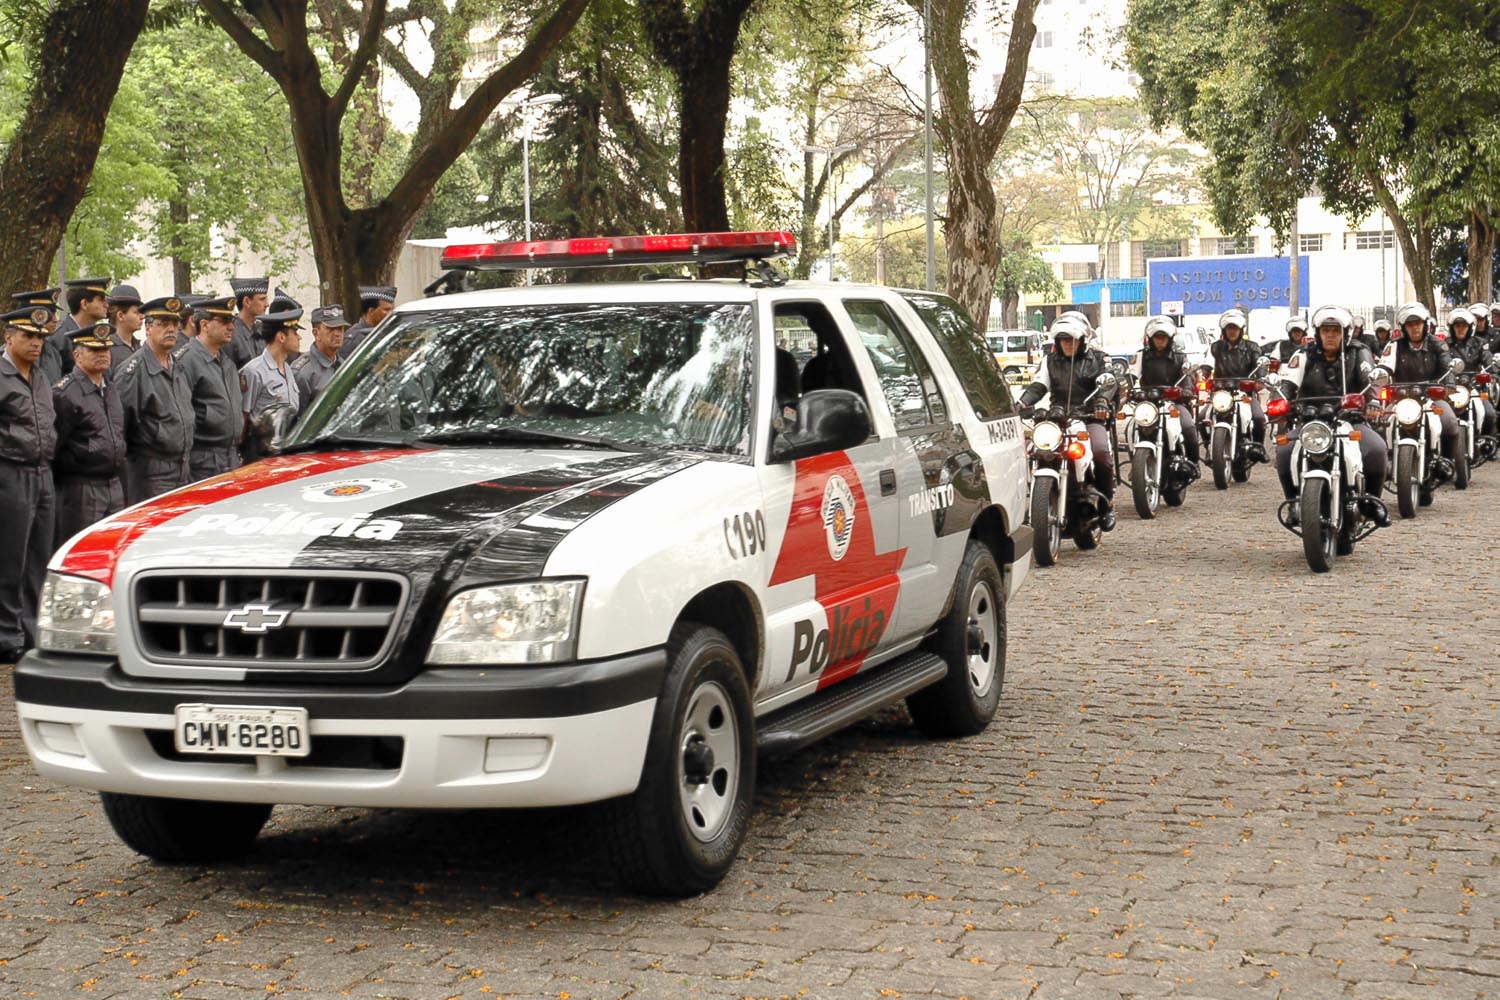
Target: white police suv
x=558, y=544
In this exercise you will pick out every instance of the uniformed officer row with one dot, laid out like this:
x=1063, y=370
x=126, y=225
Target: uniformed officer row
x=89, y=423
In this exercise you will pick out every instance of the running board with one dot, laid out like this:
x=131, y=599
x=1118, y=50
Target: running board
x=807, y=721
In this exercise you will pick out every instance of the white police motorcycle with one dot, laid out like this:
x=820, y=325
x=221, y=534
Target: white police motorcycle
x=1159, y=465
x=1414, y=435
x=1064, y=498
x=1229, y=438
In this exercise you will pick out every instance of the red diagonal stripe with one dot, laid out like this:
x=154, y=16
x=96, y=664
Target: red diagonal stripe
x=96, y=553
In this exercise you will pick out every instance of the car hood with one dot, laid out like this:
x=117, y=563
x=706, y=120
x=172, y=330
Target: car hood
x=423, y=513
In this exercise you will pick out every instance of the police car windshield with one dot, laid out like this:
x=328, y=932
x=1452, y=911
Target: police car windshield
x=654, y=375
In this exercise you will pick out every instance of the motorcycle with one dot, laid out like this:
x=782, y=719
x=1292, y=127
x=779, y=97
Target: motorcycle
x=1468, y=399
x=1414, y=435
x=1159, y=466
x=1064, y=497
x=1229, y=440
x=1328, y=471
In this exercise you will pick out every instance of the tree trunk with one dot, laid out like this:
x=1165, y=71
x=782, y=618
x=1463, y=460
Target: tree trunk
x=182, y=270
x=1415, y=237
x=1010, y=307
x=76, y=70
x=1482, y=238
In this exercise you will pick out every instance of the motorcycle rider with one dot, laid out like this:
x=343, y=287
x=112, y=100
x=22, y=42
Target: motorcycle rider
x=1069, y=374
x=1481, y=313
x=1235, y=357
x=1417, y=356
x=1494, y=326
x=1160, y=365
x=1296, y=337
x=1382, y=337
x=1468, y=345
x=1334, y=364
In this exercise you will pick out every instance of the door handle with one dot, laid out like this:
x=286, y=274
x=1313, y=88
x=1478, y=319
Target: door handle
x=887, y=482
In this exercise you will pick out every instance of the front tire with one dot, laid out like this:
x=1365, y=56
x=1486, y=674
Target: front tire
x=1046, y=525
x=1317, y=538
x=971, y=639
x=679, y=833
x=1221, y=457
x=1407, y=487
x=1461, y=465
x=184, y=831
x=1147, y=493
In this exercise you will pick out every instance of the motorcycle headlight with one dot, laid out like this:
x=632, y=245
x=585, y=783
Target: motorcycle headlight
x=1146, y=414
x=1459, y=397
x=1317, y=438
x=1046, y=437
x=1408, y=412
x=1222, y=400
x=76, y=615
x=513, y=623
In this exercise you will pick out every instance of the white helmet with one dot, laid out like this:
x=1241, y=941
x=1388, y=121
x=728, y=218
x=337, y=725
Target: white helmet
x=1460, y=314
x=1069, y=325
x=1495, y=308
x=1325, y=315
x=1235, y=317
x=1479, y=311
x=1411, y=311
x=1359, y=322
x=1159, y=324
x=1296, y=323
x=1382, y=326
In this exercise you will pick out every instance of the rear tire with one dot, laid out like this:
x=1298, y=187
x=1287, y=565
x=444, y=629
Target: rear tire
x=1317, y=539
x=1407, y=487
x=971, y=639
x=1461, y=466
x=184, y=831
x=1220, y=458
x=1046, y=529
x=1147, y=494
x=680, y=831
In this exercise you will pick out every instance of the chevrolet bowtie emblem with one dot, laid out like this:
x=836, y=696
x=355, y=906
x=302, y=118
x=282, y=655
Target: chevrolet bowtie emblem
x=256, y=619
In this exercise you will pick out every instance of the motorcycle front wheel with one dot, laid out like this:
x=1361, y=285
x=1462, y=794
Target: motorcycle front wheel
x=1145, y=488
x=1407, y=486
x=1221, y=458
x=1046, y=522
x=1461, y=466
x=1318, y=538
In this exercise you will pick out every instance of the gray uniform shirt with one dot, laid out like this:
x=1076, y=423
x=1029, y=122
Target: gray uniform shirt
x=57, y=354
x=158, y=407
x=28, y=432
x=352, y=337
x=245, y=345
x=90, y=428
x=119, y=352
x=214, y=386
x=313, y=371
x=264, y=385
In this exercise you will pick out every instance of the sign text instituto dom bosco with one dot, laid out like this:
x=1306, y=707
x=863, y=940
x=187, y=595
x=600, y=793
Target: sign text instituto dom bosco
x=1213, y=284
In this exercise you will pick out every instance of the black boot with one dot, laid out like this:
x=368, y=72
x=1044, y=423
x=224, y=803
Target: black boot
x=1375, y=510
x=1106, y=514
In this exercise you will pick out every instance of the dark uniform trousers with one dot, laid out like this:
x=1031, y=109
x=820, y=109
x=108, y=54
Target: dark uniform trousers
x=204, y=463
x=28, y=498
x=151, y=473
x=85, y=500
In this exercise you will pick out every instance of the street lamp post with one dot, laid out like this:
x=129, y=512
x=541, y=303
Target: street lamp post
x=525, y=106
x=831, y=151
x=927, y=133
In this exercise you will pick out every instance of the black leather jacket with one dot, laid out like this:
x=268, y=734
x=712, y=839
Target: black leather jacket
x=1472, y=351
x=1427, y=362
x=1069, y=380
x=1282, y=350
x=1162, y=368
x=1322, y=377
x=1236, y=360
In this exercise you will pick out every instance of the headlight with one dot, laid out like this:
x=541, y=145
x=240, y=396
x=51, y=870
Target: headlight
x=512, y=623
x=1223, y=399
x=1408, y=412
x=1317, y=438
x=1459, y=397
x=1046, y=436
x=1146, y=414
x=76, y=615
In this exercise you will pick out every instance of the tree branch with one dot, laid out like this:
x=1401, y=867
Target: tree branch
x=369, y=41
x=248, y=41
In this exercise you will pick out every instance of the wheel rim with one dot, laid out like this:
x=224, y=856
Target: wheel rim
x=1055, y=525
x=708, y=759
x=982, y=644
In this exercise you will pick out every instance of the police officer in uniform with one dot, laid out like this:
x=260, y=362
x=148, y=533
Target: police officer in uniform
x=1381, y=338
x=250, y=304
x=214, y=385
x=1334, y=364
x=1235, y=357
x=316, y=367
x=87, y=300
x=267, y=382
x=1469, y=346
x=1415, y=355
x=125, y=316
x=1296, y=336
x=28, y=440
x=90, y=463
x=376, y=302
x=46, y=298
x=158, y=408
x=1161, y=365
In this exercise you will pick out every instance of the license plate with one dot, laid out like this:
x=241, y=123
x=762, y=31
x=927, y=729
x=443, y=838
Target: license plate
x=241, y=731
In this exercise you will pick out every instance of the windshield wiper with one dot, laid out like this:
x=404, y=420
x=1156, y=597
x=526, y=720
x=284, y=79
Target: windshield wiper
x=338, y=442
x=495, y=435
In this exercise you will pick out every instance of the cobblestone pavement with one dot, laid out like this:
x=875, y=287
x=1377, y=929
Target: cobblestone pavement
x=1214, y=775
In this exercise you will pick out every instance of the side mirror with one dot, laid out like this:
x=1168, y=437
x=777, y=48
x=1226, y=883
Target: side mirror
x=272, y=425
x=1456, y=365
x=1380, y=378
x=1106, y=382
x=825, y=420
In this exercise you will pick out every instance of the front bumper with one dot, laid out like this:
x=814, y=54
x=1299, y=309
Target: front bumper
x=448, y=738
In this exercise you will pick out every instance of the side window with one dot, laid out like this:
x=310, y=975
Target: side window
x=961, y=344
x=810, y=352
x=905, y=377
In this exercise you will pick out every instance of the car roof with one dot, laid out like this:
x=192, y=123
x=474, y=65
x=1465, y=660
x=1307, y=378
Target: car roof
x=661, y=290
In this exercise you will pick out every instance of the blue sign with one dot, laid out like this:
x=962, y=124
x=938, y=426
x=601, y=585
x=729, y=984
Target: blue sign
x=1213, y=284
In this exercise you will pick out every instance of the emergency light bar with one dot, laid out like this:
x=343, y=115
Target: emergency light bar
x=606, y=251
